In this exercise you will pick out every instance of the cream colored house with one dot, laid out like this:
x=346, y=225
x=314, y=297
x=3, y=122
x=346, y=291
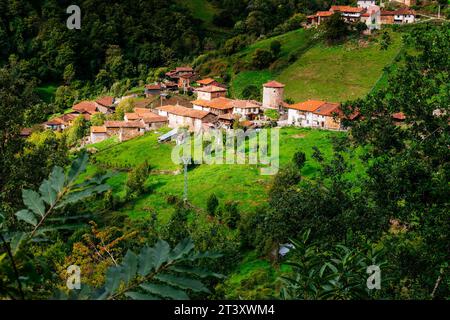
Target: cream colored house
x=210, y=92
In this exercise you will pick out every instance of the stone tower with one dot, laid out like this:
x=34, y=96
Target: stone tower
x=273, y=92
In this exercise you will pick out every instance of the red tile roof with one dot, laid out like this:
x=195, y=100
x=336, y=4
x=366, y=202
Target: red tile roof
x=105, y=101
x=310, y=105
x=184, y=69
x=153, y=86
x=154, y=118
x=347, y=9
x=328, y=109
x=324, y=13
x=206, y=81
x=399, y=116
x=124, y=124
x=184, y=112
x=98, y=129
x=211, y=89
x=229, y=116
x=217, y=103
x=87, y=106
x=25, y=132
x=246, y=104
x=404, y=11
x=273, y=84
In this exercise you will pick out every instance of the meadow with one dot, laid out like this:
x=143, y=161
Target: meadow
x=312, y=69
x=237, y=182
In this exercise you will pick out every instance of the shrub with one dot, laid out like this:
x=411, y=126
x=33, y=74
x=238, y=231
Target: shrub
x=231, y=214
x=135, y=184
x=262, y=58
x=212, y=204
x=299, y=159
x=251, y=92
x=275, y=47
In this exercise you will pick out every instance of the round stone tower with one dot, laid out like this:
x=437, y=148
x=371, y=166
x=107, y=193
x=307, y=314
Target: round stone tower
x=273, y=92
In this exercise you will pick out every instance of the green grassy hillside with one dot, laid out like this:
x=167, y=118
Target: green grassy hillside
x=241, y=183
x=338, y=73
x=313, y=70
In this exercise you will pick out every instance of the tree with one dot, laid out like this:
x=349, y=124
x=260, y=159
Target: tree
x=360, y=27
x=124, y=106
x=98, y=119
x=231, y=214
x=16, y=97
x=261, y=58
x=69, y=73
x=136, y=179
x=40, y=218
x=335, y=28
x=251, y=92
x=272, y=114
x=65, y=97
x=385, y=41
x=212, y=204
x=77, y=131
x=299, y=159
x=275, y=47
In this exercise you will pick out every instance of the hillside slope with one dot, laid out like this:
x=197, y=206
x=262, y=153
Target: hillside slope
x=335, y=73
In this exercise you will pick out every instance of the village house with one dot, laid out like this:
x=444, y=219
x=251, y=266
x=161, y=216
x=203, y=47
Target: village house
x=55, y=124
x=315, y=114
x=125, y=130
x=179, y=71
x=152, y=89
x=151, y=120
x=169, y=85
x=365, y=4
x=366, y=12
x=87, y=108
x=399, y=118
x=209, y=82
x=184, y=81
x=210, y=92
x=105, y=104
x=372, y=18
x=98, y=134
x=325, y=116
x=227, y=120
x=404, y=15
x=407, y=3
x=25, y=132
x=300, y=114
x=350, y=14
x=319, y=17
x=179, y=116
x=273, y=93
x=217, y=106
x=246, y=109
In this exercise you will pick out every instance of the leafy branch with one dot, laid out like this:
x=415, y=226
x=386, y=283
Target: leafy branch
x=56, y=192
x=157, y=272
